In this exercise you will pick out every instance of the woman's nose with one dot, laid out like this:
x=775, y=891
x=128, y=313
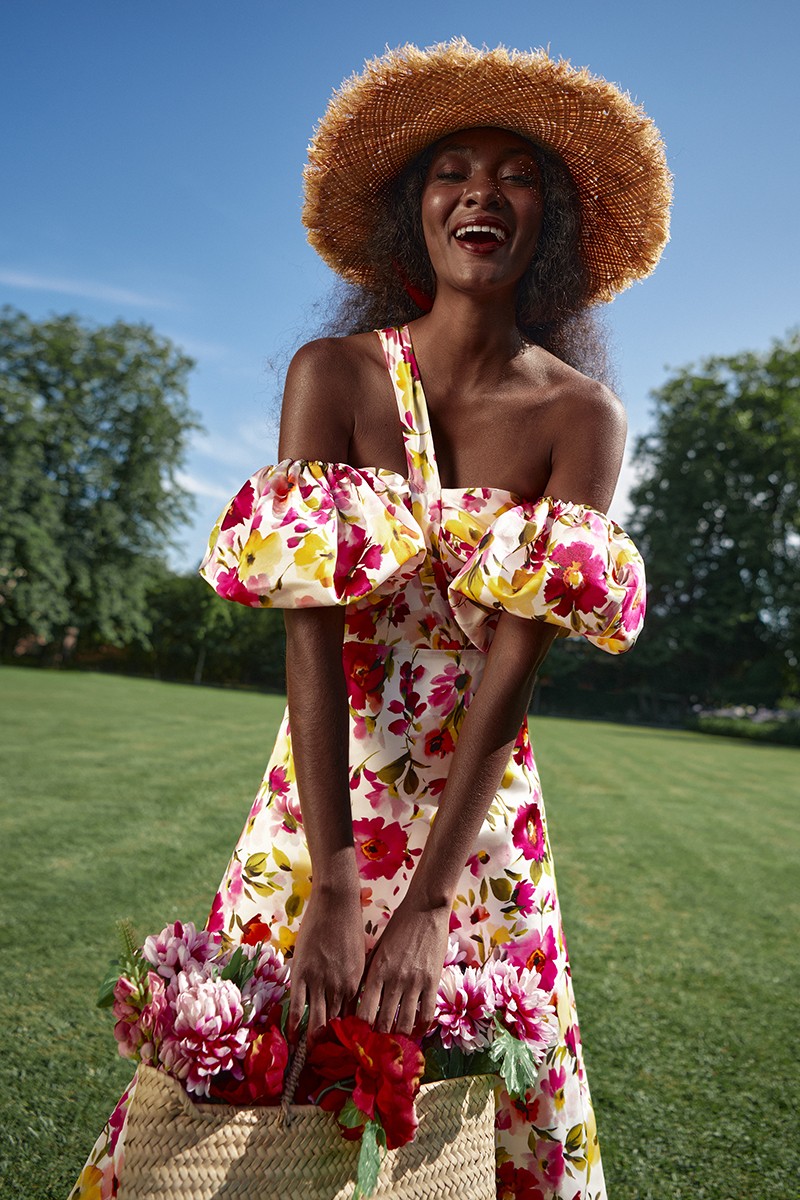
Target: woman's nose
x=483, y=190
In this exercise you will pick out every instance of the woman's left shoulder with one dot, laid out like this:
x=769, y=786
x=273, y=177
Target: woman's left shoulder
x=576, y=398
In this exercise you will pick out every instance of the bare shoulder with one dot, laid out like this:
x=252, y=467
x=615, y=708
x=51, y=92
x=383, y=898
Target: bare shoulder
x=585, y=427
x=323, y=380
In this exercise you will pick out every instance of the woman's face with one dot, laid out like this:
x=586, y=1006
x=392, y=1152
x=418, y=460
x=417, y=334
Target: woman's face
x=482, y=209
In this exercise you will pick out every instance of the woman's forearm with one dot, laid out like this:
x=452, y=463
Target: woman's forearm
x=318, y=720
x=485, y=743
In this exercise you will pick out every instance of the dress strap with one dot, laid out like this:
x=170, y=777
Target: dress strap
x=423, y=473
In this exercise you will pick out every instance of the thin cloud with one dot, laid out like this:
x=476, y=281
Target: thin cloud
x=84, y=288
x=201, y=487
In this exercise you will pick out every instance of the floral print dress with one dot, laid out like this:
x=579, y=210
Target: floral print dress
x=423, y=573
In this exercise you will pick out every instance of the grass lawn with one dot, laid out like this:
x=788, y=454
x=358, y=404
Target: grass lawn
x=677, y=859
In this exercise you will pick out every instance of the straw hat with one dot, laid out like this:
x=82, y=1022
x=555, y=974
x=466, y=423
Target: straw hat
x=409, y=98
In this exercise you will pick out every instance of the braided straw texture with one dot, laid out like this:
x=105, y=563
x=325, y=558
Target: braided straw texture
x=178, y=1150
x=409, y=98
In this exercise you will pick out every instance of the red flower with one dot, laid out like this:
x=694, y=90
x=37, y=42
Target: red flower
x=439, y=742
x=515, y=1183
x=380, y=848
x=578, y=580
x=254, y=931
x=228, y=586
x=386, y=1069
x=536, y=951
x=264, y=1067
x=354, y=554
x=365, y=670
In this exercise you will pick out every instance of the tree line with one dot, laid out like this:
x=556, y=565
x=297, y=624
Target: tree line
x=94, y=426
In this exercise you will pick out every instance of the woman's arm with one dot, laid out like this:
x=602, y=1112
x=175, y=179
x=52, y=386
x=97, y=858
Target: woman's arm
x=406, y=965
x=328, y=958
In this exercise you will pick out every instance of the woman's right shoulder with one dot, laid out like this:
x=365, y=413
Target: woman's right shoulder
x=329, y=360
x=325, y=379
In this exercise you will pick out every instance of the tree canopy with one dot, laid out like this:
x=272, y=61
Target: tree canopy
x=717, y=517
x=94, y=423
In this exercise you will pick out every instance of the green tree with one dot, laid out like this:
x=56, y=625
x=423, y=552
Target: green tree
x=94, y=423
x=717, y=517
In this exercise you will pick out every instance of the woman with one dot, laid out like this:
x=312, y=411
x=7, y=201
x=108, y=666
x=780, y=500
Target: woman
x=481, y=201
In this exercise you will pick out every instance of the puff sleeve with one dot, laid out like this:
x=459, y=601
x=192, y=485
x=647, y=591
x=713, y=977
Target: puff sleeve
x=559, y=562
x=306, y=534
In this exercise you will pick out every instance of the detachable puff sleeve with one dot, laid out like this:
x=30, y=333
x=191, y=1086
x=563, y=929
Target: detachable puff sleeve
x=559, y=562
x=310, y=534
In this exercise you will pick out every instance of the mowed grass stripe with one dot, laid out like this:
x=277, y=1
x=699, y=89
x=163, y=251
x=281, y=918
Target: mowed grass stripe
x=677, y=858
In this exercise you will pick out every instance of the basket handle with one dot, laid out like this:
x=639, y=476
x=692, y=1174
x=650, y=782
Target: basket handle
x=291, y=1081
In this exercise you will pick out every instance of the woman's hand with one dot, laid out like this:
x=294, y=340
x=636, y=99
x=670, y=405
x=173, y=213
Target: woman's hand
x=405, y=968
x=328, y=962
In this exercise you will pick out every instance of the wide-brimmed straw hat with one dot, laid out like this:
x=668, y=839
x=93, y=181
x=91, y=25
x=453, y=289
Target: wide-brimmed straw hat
x=403, y=102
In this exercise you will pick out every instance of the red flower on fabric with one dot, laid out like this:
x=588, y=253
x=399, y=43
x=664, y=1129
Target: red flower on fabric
x=254, y=931
x=439, y=742
x=528, y=832
x=216, y=919
x=515, y=1183
x=578, y=580
x=365, y=670
x=380, y=848
x=386, y=1070
x=240, y=507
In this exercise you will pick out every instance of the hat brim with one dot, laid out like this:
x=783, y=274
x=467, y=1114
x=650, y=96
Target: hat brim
x=403, y=102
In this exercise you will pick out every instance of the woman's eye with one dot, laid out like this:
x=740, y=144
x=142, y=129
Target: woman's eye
x=449, y=175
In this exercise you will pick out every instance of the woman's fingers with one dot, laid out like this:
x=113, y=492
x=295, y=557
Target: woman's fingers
x=406, y=1017
x=297, y=1004
x=317, y=1010
x=390, y=1002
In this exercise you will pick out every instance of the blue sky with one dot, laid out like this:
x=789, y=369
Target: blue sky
x=154, y=150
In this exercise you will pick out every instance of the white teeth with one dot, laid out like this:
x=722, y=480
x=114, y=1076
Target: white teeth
x=500, y=234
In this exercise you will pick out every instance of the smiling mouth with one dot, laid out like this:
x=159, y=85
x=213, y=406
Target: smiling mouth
x=481, y=235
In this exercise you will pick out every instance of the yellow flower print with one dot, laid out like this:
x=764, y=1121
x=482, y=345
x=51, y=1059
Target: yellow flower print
x=259, y=555
x=286, y=939
x=317, y=554
x=90, y=1183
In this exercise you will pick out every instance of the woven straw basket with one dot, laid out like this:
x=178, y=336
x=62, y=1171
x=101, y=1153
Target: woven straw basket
x=178, y=1150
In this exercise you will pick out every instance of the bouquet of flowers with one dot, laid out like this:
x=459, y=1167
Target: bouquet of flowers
x=215, y=1019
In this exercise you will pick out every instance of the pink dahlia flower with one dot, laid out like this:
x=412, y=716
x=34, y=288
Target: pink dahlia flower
x=209, y=1034
x=180, y=947
x=464, y=1009
x=268, y=983
x=455, y=953
x=523, y=1009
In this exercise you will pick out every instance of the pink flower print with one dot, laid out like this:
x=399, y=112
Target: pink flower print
x=464, y=1009
x=439, y=743
x=537, y=952
x=477, y=861
x=578, y=581
x=519, y=1113
x=216, y=920
x=116, y=1122
x=445, y=688
x=528, y=832
x=524, y=896
x=547, y=1163
x=234, y=885
x=553, y=1086
x=634, y=601
x=475, y=500
x=380, y=848
x=228, y=586
x=240, y=507
x=356, y=555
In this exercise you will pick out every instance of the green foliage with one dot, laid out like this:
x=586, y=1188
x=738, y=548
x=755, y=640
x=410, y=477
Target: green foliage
x=717, y=517
x=782, y=733
x=93, y=429
x=514, y=1061
x=369, y=1159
